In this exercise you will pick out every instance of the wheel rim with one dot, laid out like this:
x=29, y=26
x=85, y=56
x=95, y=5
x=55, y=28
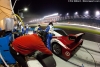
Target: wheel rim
x=56, y=49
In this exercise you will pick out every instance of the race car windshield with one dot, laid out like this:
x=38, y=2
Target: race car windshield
x=61, y=32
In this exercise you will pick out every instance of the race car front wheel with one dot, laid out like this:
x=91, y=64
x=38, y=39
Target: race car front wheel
x=56, y=48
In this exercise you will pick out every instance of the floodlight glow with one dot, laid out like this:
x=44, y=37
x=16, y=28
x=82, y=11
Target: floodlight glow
x=86, y=12
x=41, y=18
x=33, y=20
x=85, y=26
x=60, y=14
x=30, y=21
x=25, y=9
x=55, y=14
x=76, y=13
x=67, y=14
x=97, y=13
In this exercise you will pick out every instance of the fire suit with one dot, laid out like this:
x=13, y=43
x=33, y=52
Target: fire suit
x=49, y=31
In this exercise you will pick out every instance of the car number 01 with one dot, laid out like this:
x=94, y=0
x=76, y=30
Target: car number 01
x=67, y=53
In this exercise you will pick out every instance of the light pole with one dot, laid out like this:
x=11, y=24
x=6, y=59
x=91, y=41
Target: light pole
x=25, y=9
x=14, y=4
x=76, y=15
x=67, y=15
x=86, y=14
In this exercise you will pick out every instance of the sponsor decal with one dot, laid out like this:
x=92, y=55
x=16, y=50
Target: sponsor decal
x=67, y=53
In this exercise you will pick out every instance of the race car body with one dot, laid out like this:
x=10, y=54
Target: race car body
x=64, y=44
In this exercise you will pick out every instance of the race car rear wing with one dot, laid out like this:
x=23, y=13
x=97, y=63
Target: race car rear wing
x=76, y=37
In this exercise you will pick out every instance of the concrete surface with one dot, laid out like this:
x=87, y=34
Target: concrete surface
x=82, y=57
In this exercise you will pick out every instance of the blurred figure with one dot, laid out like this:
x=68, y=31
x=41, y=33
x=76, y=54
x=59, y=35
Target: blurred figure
x=27, y=26
x=25, y=45
x=37, y=29
x=15, y=31
x=25, y=30
x=20, y=30
x=49, y=30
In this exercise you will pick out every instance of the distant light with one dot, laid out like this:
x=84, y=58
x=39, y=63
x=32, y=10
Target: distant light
x=25, y=9
x=67, y=14
x=76, y=13
x=41, y=19
x=30, y=21
x=86, y=12
x=97, y=13
x=60, y=14
x=33, y=20
x=36, y=20
x=55, y=14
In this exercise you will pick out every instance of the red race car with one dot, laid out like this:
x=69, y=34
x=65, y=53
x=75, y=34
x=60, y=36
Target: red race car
x=64, y=44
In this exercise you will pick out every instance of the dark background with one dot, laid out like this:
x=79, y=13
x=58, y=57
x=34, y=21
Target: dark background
x=40, y=8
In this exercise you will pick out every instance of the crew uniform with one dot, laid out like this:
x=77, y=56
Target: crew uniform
x=25, y=45
x=37, y=29
x=49, y=30
x=15, y=31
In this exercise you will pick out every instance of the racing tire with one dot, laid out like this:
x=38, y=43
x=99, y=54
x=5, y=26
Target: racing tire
x=56, y=48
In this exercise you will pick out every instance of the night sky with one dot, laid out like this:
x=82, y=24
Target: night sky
x=46, y=7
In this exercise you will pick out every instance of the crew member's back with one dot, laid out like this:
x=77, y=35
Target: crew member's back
x=29, y=43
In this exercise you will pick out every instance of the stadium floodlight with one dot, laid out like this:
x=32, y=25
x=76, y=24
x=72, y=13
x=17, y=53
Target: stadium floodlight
x=76, y=13
x=25, y=9
x=86, y=12
x=67, y=14
x=97, y=13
